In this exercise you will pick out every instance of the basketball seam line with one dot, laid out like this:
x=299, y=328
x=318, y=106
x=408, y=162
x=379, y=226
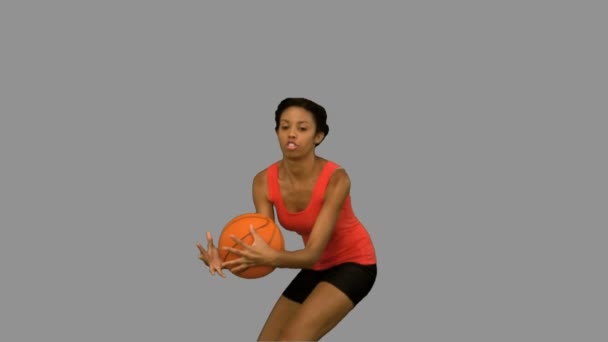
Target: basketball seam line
x=247, y=235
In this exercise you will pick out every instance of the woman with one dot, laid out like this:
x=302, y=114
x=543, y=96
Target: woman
x=311, y=197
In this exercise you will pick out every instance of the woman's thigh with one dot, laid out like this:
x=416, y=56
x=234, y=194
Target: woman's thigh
x=338, y=290
x=283, y=310
x=324, y=308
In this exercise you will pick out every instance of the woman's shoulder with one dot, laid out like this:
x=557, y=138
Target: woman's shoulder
x=338, y=173
x=338, y=180
x=262, y=175
x=334, y=165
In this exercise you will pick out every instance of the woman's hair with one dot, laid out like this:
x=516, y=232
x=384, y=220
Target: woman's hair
x=318, y=113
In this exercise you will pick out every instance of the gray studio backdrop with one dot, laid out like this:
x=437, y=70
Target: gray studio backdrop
x=474, y=134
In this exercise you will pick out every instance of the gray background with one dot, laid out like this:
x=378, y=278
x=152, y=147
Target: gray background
x=474, y=134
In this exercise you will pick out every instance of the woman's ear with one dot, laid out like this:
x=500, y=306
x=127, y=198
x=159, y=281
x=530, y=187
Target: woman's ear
x=319, y=137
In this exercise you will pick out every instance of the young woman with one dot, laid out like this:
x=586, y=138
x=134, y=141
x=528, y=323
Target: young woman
x=311, y=197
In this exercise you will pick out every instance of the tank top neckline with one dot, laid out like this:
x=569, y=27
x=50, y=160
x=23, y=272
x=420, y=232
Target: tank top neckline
x=315, y=190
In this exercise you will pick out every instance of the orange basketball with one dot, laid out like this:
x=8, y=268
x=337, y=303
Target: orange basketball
x=239, y=226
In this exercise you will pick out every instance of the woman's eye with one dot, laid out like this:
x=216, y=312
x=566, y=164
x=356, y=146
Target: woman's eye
x=303, y=129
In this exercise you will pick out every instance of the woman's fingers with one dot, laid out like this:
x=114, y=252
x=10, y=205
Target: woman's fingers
x=210, y=256
x=236, y=265
x=239, y=269
x=213, y=270
x=253, y=232
x=240, y=242
x=209, y=241
x=230, y=264
x=204, y=255
x=220, y=272
x=236, y=251
x=200, y=248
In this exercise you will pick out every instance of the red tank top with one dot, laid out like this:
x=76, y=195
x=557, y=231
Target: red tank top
x=350, y=241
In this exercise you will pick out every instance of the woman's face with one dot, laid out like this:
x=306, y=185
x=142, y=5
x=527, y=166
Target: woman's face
x=296, y=132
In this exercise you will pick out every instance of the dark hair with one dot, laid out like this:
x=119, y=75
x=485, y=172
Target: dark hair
x=318, y=113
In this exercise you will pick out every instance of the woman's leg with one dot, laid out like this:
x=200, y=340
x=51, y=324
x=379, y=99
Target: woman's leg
x=282, y=311
x=288, y=303
x=339, y=290
x=321, y=311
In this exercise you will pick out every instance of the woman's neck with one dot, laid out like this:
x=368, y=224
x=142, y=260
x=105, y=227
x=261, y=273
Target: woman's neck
x=300, y=169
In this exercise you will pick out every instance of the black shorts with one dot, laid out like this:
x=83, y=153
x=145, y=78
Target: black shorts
x=353, y=279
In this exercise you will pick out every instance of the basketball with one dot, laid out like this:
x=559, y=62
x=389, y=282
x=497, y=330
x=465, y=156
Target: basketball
x=239, y=227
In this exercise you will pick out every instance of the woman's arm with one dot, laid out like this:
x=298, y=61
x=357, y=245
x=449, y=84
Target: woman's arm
x=261, y=198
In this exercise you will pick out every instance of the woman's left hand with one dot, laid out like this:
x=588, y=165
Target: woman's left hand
x=259, y=253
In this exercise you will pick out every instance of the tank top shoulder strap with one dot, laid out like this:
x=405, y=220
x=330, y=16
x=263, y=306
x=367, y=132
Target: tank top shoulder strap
x=328, y=171
x=272, y=175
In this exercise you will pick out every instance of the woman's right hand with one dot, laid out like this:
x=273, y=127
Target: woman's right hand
x=211, y=256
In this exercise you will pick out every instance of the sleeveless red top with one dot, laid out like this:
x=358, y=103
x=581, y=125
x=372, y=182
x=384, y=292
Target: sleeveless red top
x=350, y=241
